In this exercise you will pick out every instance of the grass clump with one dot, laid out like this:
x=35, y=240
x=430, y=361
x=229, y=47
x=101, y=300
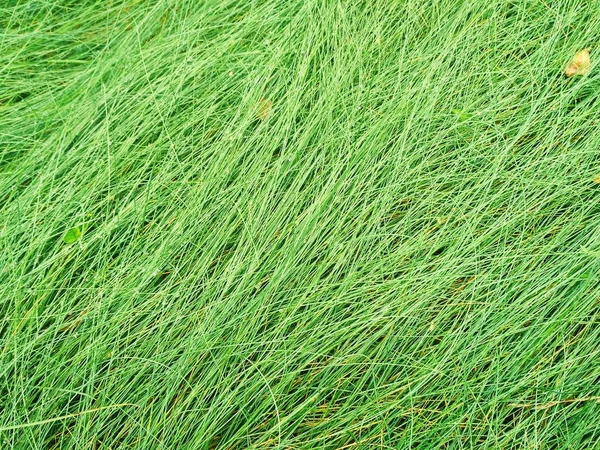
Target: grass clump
x=318, y=224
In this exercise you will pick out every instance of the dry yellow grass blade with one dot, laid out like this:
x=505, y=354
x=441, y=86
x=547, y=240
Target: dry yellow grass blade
x=580, y=64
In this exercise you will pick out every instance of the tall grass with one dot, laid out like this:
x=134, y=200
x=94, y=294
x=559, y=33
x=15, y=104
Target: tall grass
x=298, y=224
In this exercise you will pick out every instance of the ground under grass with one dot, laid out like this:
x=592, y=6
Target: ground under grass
x=331, y=224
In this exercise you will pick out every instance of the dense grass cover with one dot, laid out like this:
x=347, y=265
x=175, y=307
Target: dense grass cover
x=298, y=224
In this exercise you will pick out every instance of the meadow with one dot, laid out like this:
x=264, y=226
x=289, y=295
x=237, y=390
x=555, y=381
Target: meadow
x=322, y=224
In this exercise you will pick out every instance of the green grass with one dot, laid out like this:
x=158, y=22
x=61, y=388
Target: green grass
x=323, y=224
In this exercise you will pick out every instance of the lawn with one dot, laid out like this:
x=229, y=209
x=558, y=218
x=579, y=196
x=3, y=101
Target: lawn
x=316, y=224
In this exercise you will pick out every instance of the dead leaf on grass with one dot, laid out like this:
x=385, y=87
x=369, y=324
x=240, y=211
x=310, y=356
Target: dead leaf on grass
x=580, y=64
x=265, y=109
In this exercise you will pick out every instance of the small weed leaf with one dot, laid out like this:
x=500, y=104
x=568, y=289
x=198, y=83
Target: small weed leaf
x=462, y=115
x=73, y=235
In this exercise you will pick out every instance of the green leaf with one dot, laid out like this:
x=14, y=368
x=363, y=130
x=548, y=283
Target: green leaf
x=73, y=235
x=462, y=115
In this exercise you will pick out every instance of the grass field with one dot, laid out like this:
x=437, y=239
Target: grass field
x=323, y=224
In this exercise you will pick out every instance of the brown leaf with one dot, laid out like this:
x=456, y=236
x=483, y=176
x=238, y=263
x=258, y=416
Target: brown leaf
x=580, y=64
x=265, y=108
